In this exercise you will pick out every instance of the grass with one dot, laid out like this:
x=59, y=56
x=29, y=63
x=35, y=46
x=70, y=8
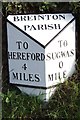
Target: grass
x=64, y=104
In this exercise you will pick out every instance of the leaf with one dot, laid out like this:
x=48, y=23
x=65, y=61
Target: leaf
x=2, y=95
x=7, y=100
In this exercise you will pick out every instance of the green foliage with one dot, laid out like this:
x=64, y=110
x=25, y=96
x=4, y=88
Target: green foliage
x=64, y=104
x=40, y=7
x=64, y=101
x=75, y=6
x=20, y=105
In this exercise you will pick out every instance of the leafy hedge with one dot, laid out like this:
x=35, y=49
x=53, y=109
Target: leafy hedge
x=40, y=7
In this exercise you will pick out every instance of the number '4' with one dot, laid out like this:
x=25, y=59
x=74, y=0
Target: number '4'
x=24, y=66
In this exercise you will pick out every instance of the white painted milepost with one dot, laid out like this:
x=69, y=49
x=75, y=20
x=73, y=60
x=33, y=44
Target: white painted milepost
x=41, y=51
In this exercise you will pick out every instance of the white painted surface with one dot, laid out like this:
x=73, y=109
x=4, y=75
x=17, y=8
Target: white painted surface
x=66, y=56
x=60, y=54
x=33, y=66
x=44, y=94
x=43, y=36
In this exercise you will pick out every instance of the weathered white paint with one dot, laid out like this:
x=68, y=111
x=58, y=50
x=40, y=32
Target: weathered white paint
x=43, y=36
x=40, y=62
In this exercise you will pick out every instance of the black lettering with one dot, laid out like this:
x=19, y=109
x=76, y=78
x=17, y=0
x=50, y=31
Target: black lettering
x=19, y=55
x=32, y=28
x=61, y=17
x=45, y=26
x=64, y=74
x=65, y=43
x=63, y=54
x=25, y=45
x=30, y=77
x=24, y=66
x=38, y=17
x=60, y=64
x=55, y=17
x=19, y=43
x=48, y=17
x=34, y=17
x=20, y=74
x=15, y=75
x=37, y=79
x=30, y=18
x=57, y=26
x=38, y=56
x=56, y=55
x=16, y=18
x=67, y=54
x=50, y=27
x=23, y=56
x=72, y=52
x=40, y=27
x=24, y=76
x=60, y=41
x=42, y=57
x=23, y=18
x=50, y=77
x=10, y=55
x=33, y=57
x=59, y=76
x=14, y=55
x=28, y=56
x=41, y=17
x=55, y=76
x=48, y=56
x=26, y=27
